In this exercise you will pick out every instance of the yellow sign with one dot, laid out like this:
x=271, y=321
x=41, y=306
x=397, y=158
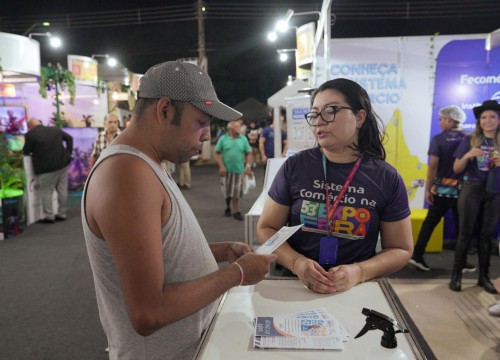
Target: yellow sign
x=305, y=45
x=84, y=69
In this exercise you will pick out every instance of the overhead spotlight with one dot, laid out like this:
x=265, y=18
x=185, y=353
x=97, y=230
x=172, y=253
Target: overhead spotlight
x=283, y=56
x=272, y=36
x=112, y=62
x=283, y=53
x=55, y=42
x=282, y=26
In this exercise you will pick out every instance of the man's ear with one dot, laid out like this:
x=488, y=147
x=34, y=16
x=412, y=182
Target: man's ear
x=162, y=108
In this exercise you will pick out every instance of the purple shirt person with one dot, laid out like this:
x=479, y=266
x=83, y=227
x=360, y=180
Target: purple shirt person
x=346, y=195
x=442, y=186
x=266, y=143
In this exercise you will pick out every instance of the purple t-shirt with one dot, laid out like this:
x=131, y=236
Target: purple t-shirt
x=377, y=193
x=443, y=146
x=268, y=134
x=472, y=170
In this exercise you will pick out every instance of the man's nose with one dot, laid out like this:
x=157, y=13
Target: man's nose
x=206, y=136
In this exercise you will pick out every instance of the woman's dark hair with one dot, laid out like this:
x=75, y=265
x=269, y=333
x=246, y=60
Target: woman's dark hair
x=371, y=136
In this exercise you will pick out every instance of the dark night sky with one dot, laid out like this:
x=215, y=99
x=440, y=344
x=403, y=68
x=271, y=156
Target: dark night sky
x=241, y=62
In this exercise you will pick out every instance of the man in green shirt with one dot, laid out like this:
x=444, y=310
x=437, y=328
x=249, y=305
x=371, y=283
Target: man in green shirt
x=234, y=157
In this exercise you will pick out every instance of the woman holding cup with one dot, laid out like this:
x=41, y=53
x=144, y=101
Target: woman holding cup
x=477, y=155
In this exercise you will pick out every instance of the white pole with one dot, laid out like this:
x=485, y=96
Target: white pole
x=277, y=133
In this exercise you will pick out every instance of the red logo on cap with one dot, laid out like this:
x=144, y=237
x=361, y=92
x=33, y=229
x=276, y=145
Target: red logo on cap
x=208, y=103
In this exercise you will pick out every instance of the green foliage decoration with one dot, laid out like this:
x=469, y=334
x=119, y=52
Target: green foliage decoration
x=11, y=171
x=57, y=78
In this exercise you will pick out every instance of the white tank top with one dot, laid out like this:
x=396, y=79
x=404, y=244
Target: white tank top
x=186, y=255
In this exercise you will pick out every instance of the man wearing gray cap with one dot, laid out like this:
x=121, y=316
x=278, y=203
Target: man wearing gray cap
x=156, y=277
x=441, y=187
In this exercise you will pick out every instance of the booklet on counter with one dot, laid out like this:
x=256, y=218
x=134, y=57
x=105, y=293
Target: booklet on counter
x=277, y=239
x=313, y=329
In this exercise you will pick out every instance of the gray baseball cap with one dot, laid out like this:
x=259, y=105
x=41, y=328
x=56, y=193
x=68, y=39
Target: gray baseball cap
x=184, y=81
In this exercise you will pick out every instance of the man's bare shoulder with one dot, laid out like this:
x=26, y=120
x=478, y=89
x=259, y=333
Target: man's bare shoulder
x=120, y=183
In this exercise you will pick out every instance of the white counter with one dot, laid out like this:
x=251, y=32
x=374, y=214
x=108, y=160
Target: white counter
x=231, y=333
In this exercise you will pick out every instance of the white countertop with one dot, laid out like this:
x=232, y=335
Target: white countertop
x=231, y=333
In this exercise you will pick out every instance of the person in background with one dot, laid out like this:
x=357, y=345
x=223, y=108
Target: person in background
x=157, y=281
x=50, y=149
x=477, y=156
x=266, y=143
x=232, y=152
x=220, y=131
x=184, y=175
x=442, y=186
x=104, y=138
x=184, y=170
x=344, y=193
x=243, y=127
x=253, y=135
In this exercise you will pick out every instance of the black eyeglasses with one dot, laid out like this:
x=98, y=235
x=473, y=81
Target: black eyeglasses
x=327, y=114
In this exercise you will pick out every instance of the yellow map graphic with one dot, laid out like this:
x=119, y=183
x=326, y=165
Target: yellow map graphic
x=409, y=166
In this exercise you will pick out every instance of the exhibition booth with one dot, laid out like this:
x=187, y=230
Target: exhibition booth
x=408, y=80
x=28, y=90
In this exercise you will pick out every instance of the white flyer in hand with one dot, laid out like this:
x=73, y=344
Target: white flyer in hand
x=277, y=239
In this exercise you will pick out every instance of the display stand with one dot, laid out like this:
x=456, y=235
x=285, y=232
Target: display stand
x=251, y=218
x=12, y=219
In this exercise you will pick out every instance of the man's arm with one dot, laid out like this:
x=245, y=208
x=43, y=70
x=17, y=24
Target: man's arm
x=28, y=145
x=285, y=148
x=139, y=200
x=68, y=139
x=248, y=157
x=96, y=150
x=218, y=159
x=248, y=163
x=431, y=175
x=263, y=156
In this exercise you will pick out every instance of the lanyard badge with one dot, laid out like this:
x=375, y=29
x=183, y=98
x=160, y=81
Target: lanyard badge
x=329, y=245
x=328, y=249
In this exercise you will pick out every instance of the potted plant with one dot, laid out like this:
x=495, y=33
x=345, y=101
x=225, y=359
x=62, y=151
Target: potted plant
x=11, y=190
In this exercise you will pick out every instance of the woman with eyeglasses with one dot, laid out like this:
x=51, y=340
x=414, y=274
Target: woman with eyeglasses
x=344, y=194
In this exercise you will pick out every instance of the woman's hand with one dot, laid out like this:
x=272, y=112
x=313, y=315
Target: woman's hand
x=345, y=276
x=474, y=152
x=495, y=160
x=313, y=276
